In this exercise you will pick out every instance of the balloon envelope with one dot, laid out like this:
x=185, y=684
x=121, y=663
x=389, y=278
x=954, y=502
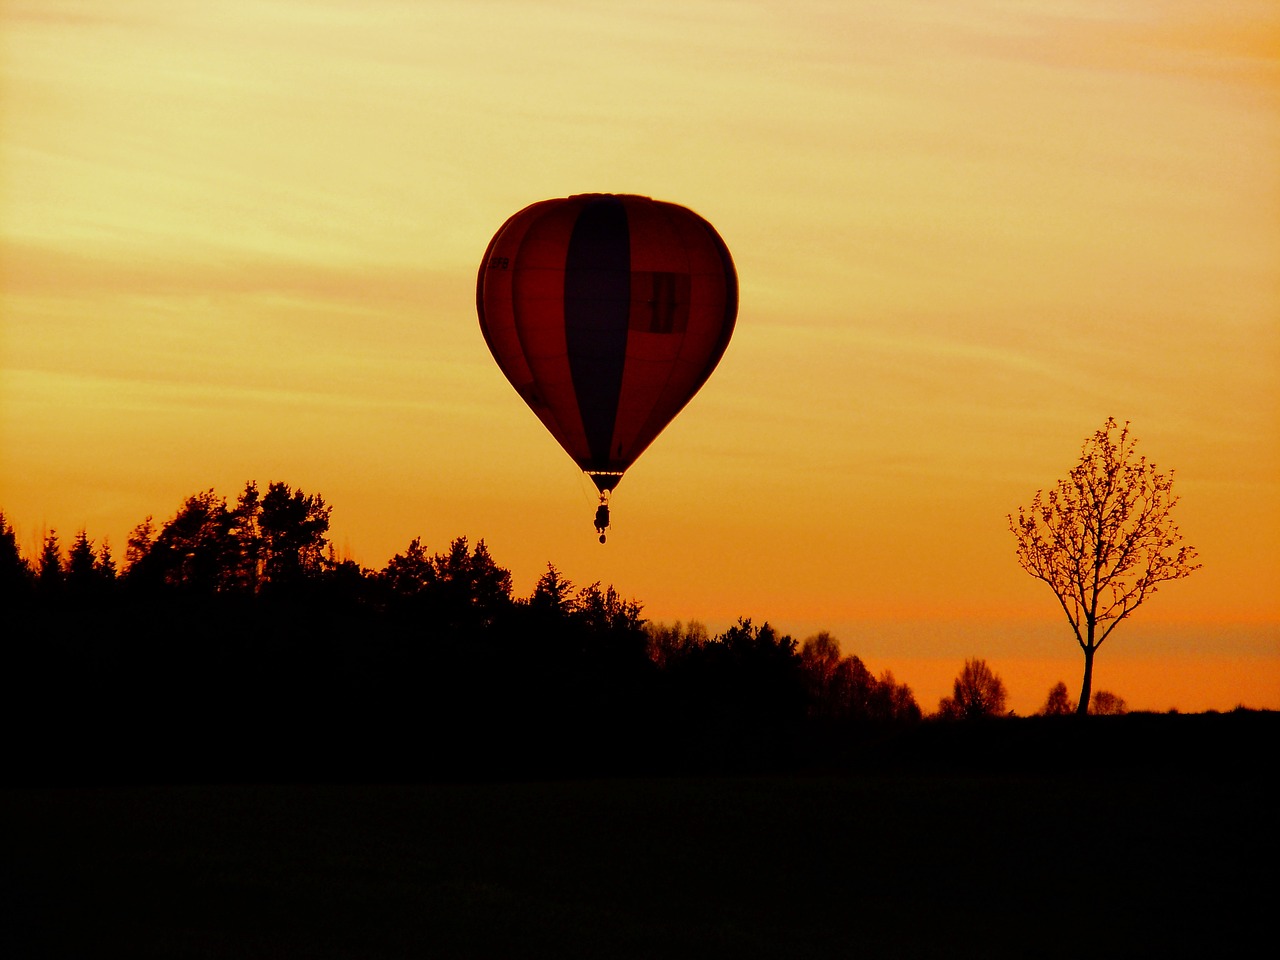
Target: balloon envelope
x=607, y=313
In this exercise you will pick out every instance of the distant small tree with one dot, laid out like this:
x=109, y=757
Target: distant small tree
x=894, y=701
x=105, y=568
x=976, y=693
x=842, y=688
x=853, y=688
x=50, y=574
x=819, y=661
x=82, y=564
x=1107, y=704
x=411, y=573
x=1103, y=539
x=1059, y=703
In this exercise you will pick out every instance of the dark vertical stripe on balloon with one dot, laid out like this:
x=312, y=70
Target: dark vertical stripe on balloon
x=597, y=307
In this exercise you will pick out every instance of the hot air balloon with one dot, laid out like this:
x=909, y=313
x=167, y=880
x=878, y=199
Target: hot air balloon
x=607, y=313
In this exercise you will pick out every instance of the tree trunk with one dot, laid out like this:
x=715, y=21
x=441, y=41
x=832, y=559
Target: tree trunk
x=1086, y=688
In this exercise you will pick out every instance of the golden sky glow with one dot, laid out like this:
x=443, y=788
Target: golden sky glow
x=239, y=241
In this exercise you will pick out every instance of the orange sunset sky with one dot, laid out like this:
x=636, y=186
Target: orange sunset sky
x=240, y=242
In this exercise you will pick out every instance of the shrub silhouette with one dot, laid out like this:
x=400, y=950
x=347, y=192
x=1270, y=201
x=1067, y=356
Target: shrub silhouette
x=1059, y=702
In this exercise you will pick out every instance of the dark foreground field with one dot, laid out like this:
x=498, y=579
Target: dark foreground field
x=1140, y=836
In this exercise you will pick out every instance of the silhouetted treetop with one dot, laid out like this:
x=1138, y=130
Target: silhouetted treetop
x=16, y=578
x=606, y=609
x=672, y=644
x=88, y=572
x=552, y=593
x=842, y=688
x=410, y=573
x=976, y=693
x=1059, y=702
x=292, y=526
x=272, y=541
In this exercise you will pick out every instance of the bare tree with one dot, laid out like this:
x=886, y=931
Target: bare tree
x=1108, y=704
x=1059, y=703
x=895, y=701
x=977, y=692
x=819, y=662
x=1103, y=539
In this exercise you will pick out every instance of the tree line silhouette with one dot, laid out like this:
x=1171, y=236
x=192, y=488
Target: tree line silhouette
x=233, y=642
